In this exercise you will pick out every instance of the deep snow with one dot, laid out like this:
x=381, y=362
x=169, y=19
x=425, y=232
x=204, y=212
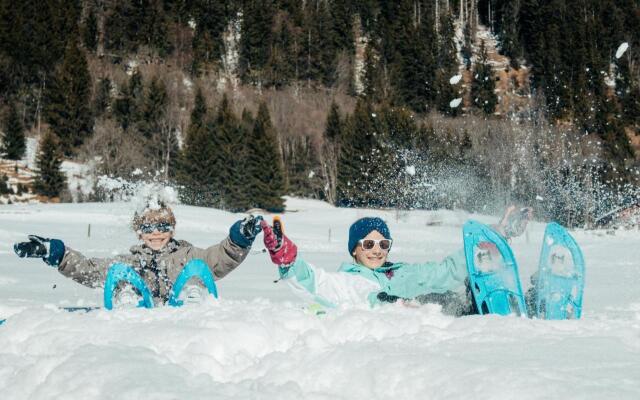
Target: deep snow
x=258, y=341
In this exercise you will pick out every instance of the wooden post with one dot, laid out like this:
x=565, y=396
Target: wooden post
x=89, y=231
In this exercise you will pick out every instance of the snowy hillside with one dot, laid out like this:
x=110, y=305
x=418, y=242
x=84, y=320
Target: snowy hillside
x=258, y=342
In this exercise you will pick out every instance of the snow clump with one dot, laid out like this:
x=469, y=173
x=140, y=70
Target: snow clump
x=622, y=49
x=455, y=79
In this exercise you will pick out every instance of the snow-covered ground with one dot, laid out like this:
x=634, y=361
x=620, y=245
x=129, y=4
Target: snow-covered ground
x=258, y=342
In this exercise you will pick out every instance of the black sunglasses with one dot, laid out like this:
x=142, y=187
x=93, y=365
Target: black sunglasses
x=160, y=227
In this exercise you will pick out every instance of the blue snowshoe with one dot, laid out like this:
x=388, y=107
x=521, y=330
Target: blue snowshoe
x=194, y=269
x=493, y=271
x=560, y=276
x=125, y=273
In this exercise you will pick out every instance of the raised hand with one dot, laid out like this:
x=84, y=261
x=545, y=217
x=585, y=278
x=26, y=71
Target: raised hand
x=50, y=250
x=281, y=250
x=244, y=232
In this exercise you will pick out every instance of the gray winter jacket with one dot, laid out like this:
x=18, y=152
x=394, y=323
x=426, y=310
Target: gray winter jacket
x=159, y=268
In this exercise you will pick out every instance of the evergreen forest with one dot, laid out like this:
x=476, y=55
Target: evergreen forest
x=470, y=104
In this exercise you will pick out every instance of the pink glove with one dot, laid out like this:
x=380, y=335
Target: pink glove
x=285, y=253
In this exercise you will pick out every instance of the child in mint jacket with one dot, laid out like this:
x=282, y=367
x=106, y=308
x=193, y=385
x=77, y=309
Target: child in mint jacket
x=370, y=277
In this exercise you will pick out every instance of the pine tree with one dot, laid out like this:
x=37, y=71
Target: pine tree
x=156, y=130
x=618, y=152
x=483, y=86
x=128, y=107
x=199, y=112
x=361, y=161
x=102, y=99
x=281, y=69
x=626, y=93
x=195, y=171
x=447, y=67
x=231, y=144
x=333, y=129
x=417, y=65
x=68, y=108
x=342, y=37
x=36, y=34
x=400, y=133
x=255, y=42
x=90, y=31
x=14, y=143
x=319, y=53
x=117, y=35
x=573, y=81
x=264, y=165
x=50, y=181
x=154, y=108
x=507, y=12
x=631, y=106
x=211, y=18
x=156, y=32
x=134, y=23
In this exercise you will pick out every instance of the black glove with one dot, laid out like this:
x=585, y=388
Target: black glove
x=244, y=232
x=386, y=298
x=50, y=250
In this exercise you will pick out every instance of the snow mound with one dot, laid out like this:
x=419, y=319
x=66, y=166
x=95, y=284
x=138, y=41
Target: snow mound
x=259, y=340
x=247, y=349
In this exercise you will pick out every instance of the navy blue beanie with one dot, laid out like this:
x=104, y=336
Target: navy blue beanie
x=363, y=227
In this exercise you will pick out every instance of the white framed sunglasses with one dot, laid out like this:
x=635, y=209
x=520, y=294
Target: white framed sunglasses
x=368, y=244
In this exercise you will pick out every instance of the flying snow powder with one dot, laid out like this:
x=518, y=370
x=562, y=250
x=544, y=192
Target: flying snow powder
x=455, y=102
x=455, y=79
x=622, y=49
x=411, y=169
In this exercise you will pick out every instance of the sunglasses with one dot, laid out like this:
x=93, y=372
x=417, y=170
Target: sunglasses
x=368, y=244
x=160, y=227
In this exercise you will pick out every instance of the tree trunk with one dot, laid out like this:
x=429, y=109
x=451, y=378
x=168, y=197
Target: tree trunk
x=491, y=19
x=437, y=18
x=100, y=48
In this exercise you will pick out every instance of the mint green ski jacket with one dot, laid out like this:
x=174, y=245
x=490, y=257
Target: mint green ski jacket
x=354, y=283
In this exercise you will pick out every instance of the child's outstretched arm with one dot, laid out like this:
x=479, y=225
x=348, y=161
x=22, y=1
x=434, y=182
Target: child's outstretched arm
x=431, y=277
x=90, y=272
x=224, y=257
x=315, y=284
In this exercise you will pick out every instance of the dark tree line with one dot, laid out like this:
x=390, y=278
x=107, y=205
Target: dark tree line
x=410, y=55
